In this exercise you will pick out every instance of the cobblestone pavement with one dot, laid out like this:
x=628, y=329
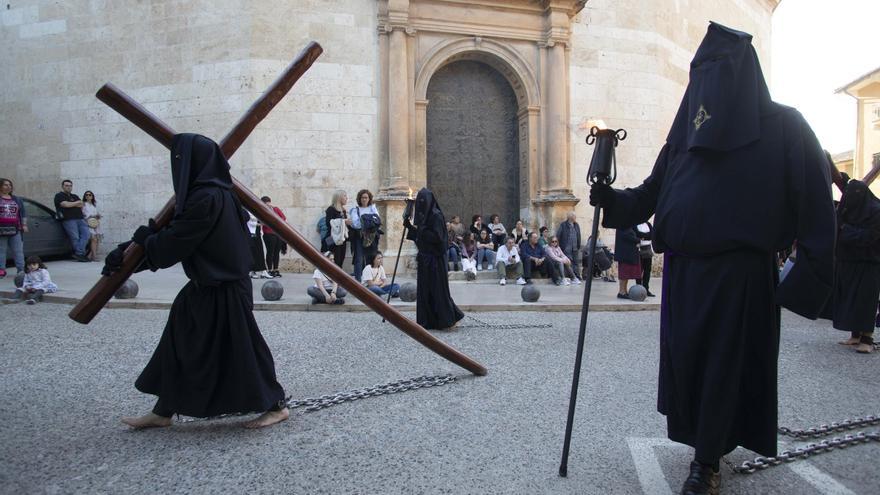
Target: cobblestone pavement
x=64, y=386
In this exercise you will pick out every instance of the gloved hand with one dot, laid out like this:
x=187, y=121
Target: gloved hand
x=407, y=223
x=601, y=195
x=846, y=177
x=144, y=231
x=113, y=261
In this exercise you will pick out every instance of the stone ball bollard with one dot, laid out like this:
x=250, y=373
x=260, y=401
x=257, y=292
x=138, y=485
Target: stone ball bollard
x=19, y=279
x=128, y=290
x=272, y=290
x=637, y=293
x=530, y=293
x=470, y=276
x=408, y=292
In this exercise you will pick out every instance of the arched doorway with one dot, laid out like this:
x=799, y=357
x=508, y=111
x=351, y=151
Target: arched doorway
x=472, y=135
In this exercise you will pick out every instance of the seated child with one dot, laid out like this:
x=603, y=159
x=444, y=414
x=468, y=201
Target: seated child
x=36, y=282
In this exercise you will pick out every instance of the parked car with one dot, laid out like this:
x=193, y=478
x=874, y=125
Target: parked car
x=46, y=237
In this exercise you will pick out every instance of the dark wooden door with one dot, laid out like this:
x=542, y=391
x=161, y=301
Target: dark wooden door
x=472, y=142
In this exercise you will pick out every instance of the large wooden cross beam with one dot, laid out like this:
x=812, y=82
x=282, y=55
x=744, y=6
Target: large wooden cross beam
x=104, y=289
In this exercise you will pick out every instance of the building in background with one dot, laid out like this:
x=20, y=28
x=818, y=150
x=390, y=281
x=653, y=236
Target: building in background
x=486, y=101
x=866, y=156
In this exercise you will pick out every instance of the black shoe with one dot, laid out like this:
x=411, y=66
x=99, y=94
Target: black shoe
x=702, y=480
x=81, y=258
x=276, y=274
x=623, y=296
x=650, y=294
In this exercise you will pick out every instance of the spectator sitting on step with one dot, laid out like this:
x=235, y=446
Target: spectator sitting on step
x=477, y=225
x=519, y=233
x=509, y=262
x=373, y=276
x=469, y=253
x=454, y=250
x=562, y=262
x=485, y=250
x=456, y=226
x=326, y=291
x=536, y=262
x=36, y=282
x=544, y=236
x=499, y=233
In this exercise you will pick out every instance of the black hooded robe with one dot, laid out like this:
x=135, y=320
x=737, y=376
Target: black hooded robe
x=211, y=358
x=740, y=178
x=435, y=308
x=857, y=270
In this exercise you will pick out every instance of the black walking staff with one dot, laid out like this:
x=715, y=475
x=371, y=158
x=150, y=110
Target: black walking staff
x=407, y=213
x=603, y=169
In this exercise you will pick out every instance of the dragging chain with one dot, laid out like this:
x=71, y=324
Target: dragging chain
x=318, y=403
x=761, y=463
x=502, y=326
x=313, y=404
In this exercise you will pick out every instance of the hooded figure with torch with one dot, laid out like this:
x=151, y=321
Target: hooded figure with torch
x=736, y=159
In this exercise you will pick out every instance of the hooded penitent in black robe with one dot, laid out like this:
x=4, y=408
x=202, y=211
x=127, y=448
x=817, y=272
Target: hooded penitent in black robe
x=739, y=178
x=857, y=273
x=435, y=308
x=211, y=358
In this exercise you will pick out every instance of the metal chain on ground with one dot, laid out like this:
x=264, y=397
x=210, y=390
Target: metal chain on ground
x=761, y=463
x=503, y=326
x=312, y=404
x=318, y=403
x=823, y=430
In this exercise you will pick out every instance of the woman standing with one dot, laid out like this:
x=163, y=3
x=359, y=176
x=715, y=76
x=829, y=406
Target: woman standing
x=645, y=231
x=626, y=252
x=13, y=222
x=273, y=241
x=336, y=211
x=364, y=243
x=93, y=220
x=435, y=308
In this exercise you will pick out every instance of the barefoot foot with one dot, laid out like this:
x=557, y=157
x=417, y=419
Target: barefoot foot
x=268, y=418
x=149, y=420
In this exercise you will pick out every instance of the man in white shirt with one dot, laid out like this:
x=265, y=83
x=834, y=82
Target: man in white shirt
x=508, y=260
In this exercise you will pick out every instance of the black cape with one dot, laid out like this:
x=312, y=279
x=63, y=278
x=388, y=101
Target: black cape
x=211, y=358
x=435, y=308
x=857, y=273
x=724, y=204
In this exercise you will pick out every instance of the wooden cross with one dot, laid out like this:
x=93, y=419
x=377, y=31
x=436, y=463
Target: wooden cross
x=104, y=289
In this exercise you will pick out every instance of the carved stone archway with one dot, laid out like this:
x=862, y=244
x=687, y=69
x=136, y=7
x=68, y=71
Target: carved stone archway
x=525, y=40
x=525, y=87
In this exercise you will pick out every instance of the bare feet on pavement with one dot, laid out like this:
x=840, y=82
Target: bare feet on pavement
x=149, y=420
x=268, y=418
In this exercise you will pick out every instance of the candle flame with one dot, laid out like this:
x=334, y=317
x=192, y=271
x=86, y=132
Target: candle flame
x=590, y=123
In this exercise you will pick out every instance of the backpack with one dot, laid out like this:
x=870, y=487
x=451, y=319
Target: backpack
x=370, y=223
x=323, y=229
x=338, y=231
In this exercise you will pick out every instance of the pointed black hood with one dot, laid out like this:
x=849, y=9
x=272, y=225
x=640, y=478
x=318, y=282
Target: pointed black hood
x=196, y=161
x=726, y=95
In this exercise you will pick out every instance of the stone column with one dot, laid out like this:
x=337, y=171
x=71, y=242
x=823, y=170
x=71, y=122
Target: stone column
x=397, y=182
x=556, y=167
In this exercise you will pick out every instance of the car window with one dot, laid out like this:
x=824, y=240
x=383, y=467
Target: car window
x=35, y=211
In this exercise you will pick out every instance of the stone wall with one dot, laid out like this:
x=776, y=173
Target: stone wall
x=198, y=65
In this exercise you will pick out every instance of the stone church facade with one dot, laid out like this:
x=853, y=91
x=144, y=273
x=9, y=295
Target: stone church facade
x=488, y=102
